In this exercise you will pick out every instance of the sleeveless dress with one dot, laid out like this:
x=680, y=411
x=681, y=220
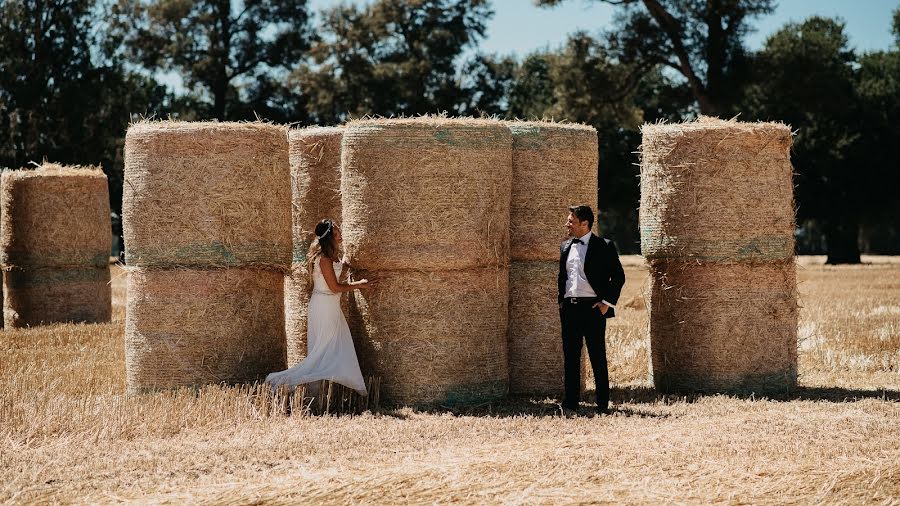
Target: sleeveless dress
x=331, y=355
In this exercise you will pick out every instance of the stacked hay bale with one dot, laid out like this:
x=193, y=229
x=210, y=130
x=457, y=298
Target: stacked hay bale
x=315, y=158
x=554, y=166
x=55, y=242
x=426, y=211
x=207, y=225
x=717, y=223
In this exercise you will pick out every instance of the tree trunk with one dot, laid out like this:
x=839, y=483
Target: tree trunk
x=842, y=233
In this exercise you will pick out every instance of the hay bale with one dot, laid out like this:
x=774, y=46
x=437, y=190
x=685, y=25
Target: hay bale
x=315, y=158
x=426, y=193
x=723, y=327
x=40, y=296
x=207, y=195
x=296, y=302
x=554, y=166
x=434, y=337
x=717, y=190
x=55, y=216
x=187, y=327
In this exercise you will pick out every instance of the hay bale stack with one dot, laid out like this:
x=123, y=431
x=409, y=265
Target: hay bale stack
x=554, y=166
x=434, y=336
x=717, y=222
x=55, y=241
x=315, y=159
x=207, y=226
x=206, y=195
x=187, y=327
x=426, y=212
x=450, y=178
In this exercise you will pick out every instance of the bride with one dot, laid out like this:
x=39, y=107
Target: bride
x=331, y=355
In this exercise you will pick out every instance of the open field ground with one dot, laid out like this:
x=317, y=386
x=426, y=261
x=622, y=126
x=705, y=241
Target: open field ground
x=69, y=434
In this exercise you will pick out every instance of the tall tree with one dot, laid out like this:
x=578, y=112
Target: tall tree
x=394, y=57
x=228, y=51
x=701, y=40
x=805, y=77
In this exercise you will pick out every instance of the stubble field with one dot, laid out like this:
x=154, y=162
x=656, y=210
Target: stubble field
x=68, y=433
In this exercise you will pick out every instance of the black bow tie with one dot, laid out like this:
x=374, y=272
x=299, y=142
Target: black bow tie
x=579, y=241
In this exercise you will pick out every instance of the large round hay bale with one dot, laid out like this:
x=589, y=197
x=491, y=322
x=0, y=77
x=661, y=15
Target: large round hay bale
x=42, y=296
x=207, y=195
x=426, y=193
x=554, y=166
x=55, y=216
x=188, y=327
x=717, y=190
x=722, y=327
x=315, y=157
x=434, y=337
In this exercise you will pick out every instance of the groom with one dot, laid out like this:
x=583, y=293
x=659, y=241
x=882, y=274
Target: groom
x=590, y=279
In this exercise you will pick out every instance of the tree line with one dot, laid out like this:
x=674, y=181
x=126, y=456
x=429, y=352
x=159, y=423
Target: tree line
x=74, y=73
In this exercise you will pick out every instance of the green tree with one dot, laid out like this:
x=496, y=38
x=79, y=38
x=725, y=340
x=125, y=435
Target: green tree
x=395, y=57
x=701, y=40
x=805, y=77
x=60, y=97
x=231, y=53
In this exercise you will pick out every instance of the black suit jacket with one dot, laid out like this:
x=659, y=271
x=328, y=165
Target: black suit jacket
x=602, y=269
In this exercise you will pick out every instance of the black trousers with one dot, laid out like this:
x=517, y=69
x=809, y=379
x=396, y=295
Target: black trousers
x=582, y=323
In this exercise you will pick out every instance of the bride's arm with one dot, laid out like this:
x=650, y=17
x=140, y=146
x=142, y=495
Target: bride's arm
x=331, y=279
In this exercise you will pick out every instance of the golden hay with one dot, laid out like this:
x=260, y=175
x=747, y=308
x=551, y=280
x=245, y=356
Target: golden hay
x=191, y=327
x=554, y=166
x=315, y=157
x=55, y=216
x=534, y=335
x=296, y=303
x=717, y=190
x=207, y=195
x=426, y=193
x=50, y=295
x=723, y=326
x=434, y=337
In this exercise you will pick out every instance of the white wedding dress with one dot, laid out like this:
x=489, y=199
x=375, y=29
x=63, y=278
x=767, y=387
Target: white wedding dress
x=331, y=355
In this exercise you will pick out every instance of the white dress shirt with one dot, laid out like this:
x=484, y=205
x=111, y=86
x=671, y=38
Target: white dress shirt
x=576, y=282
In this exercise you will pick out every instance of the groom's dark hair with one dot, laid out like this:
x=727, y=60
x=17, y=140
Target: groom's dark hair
x=583, y=213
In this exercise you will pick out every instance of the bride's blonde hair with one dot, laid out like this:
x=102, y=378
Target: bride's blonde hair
x=323, y=245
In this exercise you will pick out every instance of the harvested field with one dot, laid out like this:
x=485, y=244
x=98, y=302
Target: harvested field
x=69, y=433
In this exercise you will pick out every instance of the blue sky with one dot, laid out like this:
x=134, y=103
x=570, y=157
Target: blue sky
x=518, y=27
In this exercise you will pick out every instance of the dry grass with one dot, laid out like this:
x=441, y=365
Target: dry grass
x=69, y=434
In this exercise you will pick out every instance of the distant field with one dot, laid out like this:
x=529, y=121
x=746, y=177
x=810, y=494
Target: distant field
x=69, y=434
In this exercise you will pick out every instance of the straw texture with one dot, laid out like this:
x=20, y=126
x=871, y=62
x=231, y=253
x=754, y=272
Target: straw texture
x=315, y=158
x=718, y=327
x=55, y=216
x=434, y=337
x=554, y=166
x=191, y=327
x=535, y=336
x=41, y=296
x=207, y=195
x=717, y=190
x=426, y=193
x=296, y=303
